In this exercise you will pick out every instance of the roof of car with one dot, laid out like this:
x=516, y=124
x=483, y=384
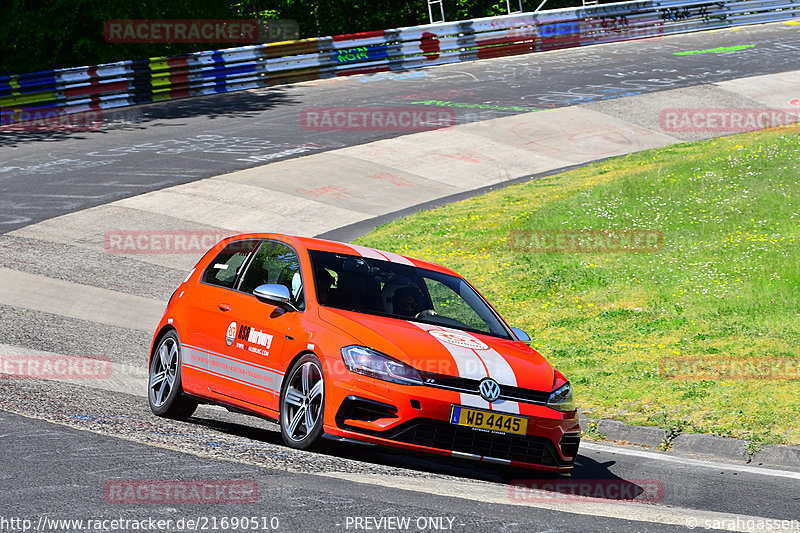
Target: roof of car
x=311, y=243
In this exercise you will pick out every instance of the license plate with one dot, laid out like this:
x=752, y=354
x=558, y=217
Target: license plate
x=474, y=418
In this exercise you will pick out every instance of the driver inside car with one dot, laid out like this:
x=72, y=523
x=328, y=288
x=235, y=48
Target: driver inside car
x=324, y=285
x=406, y=301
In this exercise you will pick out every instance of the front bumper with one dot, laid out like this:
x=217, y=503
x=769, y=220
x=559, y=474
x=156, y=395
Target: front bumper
x=417, y=418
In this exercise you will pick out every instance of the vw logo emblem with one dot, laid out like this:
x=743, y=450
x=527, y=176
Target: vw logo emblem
x=489, y=389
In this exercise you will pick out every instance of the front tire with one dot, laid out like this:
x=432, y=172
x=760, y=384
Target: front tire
x=165, y=393
x=303, y=404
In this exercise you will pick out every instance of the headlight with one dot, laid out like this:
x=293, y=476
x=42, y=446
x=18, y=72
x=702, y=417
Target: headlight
x=561, y=399
x=374, y=364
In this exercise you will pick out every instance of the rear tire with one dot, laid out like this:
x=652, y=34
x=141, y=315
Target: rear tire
x=165, y=392
x=302, y=404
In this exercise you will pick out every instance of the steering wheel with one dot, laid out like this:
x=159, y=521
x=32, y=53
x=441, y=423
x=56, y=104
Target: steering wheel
x=426, y=313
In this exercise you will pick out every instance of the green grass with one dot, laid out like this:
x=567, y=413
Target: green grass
x=726, y=283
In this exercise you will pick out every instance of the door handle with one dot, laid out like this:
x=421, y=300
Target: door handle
x=224, y=307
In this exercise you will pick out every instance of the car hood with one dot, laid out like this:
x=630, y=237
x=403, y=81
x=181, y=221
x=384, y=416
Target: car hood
x=446, y=351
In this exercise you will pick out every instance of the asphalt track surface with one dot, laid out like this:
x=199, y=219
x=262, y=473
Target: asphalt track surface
x=54, y=471
x=45, y=174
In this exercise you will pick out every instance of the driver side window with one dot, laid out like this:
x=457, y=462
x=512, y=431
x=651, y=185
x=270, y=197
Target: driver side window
x=275, y=263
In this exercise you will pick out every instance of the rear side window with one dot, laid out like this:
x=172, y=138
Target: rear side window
x=226, y=267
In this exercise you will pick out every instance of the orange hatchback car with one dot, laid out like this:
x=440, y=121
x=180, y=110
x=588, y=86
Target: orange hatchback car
x=348, y=343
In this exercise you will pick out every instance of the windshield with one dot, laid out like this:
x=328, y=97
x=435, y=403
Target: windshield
x=377, y=287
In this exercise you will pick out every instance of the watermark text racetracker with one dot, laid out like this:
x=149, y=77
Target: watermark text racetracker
x=131, y=492
x=54, y=367
x=200, y=31
x=586, y=241
x=738, y=368
x=40, y=120
x=162, y=242
x=726, y=120
x=375, y=119
x=575, y=490
x=187, y=523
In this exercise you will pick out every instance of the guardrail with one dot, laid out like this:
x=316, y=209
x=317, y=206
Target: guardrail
x=125, y=83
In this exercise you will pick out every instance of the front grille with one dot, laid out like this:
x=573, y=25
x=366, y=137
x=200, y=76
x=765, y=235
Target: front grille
x=507, y=392
x=446, y=436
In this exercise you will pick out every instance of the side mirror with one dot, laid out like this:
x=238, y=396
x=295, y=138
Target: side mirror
x=521, y=335
x=274, y=294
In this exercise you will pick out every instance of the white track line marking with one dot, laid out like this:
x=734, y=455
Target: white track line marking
x=123, y=378
x=683, y=460
x=83, y=302
x=640, y=512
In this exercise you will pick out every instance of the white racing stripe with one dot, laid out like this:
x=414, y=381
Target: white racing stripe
x=477, y=364
x=371, y=253
x=396, y=258
x=501, y=371
x=469, y=366
x=506, y=406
